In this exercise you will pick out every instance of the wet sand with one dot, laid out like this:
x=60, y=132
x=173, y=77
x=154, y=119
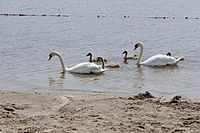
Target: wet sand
x=68, y=111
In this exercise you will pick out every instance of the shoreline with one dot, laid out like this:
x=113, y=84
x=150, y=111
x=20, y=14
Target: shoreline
x=74, y=111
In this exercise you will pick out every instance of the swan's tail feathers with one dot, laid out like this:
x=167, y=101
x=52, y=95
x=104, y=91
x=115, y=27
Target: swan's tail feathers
x=182, y=59
x=178, y=59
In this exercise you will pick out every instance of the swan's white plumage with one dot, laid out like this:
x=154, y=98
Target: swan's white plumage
x=82, y=68
x=85, y=68
x=156, y=60
x=160, y=60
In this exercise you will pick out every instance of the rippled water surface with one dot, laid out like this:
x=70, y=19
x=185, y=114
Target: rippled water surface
x=26, y=41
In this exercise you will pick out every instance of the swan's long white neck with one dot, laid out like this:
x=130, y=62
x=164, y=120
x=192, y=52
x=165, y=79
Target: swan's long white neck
x=62, y=62
x=141, y=53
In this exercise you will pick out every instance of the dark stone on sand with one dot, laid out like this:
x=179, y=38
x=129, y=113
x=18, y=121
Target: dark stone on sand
x=142, y=96
x=8, y=109
x=175, y=99
x=145, y=95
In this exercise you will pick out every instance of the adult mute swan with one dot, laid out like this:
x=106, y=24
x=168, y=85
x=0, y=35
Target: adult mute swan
x=156, y=60
x=94, y=60
x=82, y=68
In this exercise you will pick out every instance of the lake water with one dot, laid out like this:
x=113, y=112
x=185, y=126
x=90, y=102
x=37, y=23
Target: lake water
x=26, y=41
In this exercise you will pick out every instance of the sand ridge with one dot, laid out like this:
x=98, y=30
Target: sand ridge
x=68, y=111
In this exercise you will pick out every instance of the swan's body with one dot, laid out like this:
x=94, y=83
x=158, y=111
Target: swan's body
x=100, y=59
x=94, y=60
x=156, y=60
x=82, y=68
x=160, y=60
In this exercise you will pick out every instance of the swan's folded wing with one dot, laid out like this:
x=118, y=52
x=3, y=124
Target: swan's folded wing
x=86, y=67
x=160, y=60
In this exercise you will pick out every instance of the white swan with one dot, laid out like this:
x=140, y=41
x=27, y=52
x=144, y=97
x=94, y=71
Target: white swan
x=82, y=68
x=156, y=60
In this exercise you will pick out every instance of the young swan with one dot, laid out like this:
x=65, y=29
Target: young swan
x=100, y=59
x=156, y=60
x=169, y=54
x=94, y=60
x=134, y=57
x=81, y=68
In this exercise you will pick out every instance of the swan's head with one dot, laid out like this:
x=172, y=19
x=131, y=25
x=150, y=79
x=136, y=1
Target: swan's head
x=53, y=54
x=169, y=54
x=99, y=59
x=89, y=54
x=125, y=52
x=139, y=44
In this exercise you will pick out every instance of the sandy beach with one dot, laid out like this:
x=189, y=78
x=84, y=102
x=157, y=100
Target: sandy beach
x=68, y=111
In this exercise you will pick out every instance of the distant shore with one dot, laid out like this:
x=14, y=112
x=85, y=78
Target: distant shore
x=69, y=111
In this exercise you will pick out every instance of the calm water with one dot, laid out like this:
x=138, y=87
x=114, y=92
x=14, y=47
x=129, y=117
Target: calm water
x=25, y=43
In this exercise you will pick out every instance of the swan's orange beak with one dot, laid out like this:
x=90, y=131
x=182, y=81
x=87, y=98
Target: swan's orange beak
x=135, y=48
x=50, y=57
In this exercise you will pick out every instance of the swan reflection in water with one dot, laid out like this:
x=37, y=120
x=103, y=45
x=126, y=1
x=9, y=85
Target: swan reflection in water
x=53, y=82
x=140, y=80
x=81, y=77
x=58, y=82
